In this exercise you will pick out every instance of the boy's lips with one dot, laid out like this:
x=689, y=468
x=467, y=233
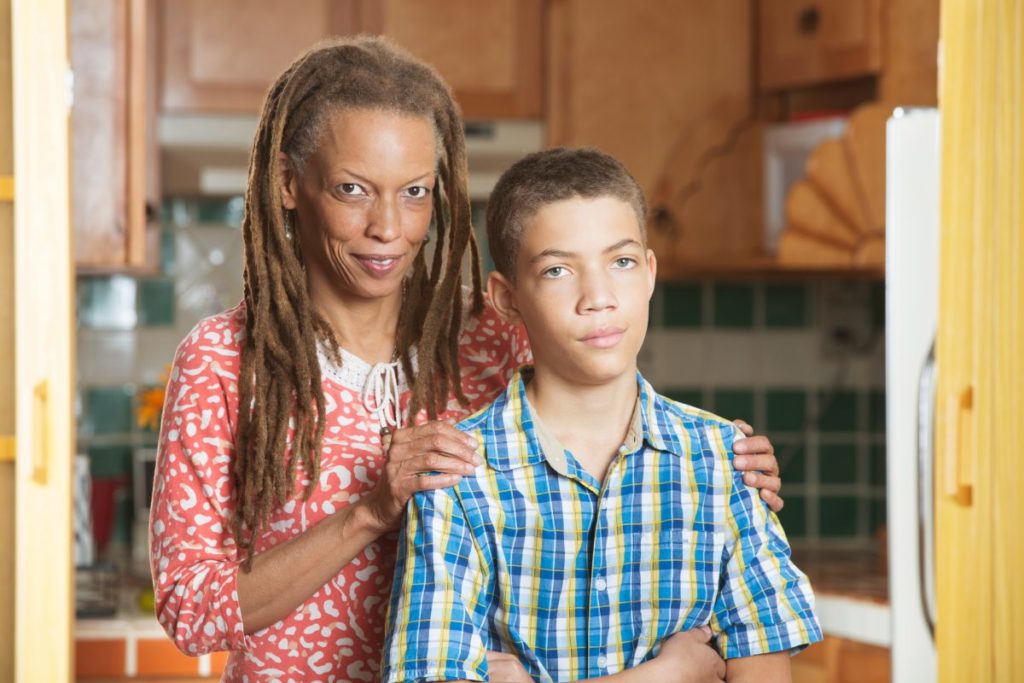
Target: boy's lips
x=603, y=337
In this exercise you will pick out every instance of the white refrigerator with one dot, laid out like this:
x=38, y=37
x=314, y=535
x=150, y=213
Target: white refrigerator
x=911, y=312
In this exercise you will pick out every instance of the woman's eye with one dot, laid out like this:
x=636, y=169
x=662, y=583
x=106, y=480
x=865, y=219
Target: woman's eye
x=554, y=272
x=350, y=188
x=418, y=191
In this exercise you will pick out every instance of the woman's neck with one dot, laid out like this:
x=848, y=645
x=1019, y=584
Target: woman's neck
x=364, y=327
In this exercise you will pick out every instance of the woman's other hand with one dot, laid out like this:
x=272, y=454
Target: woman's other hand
x=429, y=456
x=755, y=457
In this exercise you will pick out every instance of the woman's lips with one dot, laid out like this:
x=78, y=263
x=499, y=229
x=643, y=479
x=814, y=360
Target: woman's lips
x=604, y=338
x=379, y=266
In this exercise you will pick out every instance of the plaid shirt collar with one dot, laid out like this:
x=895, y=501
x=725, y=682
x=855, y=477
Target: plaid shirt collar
x=536, y=444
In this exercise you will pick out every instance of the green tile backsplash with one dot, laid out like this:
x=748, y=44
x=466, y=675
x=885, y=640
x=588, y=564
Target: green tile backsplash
x=156, y=302
x=734, y=404
x=682, y=304
x=107, y=410
x=792, y=456
x=837, y=516
x=785, y=410
x=734, y=305
x=785, y=306
x=794, y=517
x=830, y=444
x=691, y=397
x=837, y=463
x=838, y=411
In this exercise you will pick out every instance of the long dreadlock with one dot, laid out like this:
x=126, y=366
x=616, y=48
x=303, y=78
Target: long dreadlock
x=280, y=384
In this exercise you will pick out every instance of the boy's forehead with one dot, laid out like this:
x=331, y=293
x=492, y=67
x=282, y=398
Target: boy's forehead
x=577, y=220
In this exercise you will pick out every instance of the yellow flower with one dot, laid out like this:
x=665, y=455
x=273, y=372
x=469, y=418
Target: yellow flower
x=151, y=402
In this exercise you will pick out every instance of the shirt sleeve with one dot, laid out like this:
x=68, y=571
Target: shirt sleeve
x=765, y=603
x=434, y=630
x=193, y=556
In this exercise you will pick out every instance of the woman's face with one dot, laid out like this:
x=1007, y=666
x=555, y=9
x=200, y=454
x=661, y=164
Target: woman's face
x=363, y=202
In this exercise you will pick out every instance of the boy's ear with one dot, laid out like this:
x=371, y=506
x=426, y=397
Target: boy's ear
x=288, y=182
x=503, y=297
x=652, y=273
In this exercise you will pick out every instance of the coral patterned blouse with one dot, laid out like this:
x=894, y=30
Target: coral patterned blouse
x=337, y=634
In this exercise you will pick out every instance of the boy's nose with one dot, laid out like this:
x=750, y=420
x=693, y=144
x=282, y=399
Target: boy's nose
x=597, y=295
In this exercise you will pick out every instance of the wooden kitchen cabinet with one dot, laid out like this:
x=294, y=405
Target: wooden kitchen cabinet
x=491, y=53
x=222, y=56
x=839, y=660
x=113, y=158
x=807, y=42
x=666, y=86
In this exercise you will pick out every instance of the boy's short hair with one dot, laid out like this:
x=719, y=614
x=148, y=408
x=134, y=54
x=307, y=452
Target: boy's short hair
x=550, y=176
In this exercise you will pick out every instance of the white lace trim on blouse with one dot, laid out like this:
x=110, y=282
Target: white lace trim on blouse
x=380, y=386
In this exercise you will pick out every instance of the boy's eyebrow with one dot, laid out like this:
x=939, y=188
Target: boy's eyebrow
x=561, y=253
x=629, y=241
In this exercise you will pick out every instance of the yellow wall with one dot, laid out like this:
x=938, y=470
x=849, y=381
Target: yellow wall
x=6, y=356
x=979, y=546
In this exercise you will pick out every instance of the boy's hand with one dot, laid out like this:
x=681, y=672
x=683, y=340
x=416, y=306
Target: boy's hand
x=688, y=657
x=505, y=668
x=756, y=459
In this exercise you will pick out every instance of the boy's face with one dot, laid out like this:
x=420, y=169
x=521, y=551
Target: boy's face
x=583, y=283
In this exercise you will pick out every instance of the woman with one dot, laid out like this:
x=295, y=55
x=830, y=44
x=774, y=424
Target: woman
x=268, y=530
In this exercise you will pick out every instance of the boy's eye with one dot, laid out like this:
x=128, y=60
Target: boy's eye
x=625, y=262
x=555, y=272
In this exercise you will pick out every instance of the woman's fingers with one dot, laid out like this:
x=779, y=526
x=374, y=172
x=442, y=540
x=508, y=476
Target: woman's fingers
x=766, y=463
x=434, y=437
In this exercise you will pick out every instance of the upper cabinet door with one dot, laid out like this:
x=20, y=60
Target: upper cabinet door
x=666, y=87
x=222, y=56
x=805, y=42
x=489, y=52
x=112, y=164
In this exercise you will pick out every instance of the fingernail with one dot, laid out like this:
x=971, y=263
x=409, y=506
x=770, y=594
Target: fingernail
x=740, y=463
x=477, y=460
x=471, y=441
x=749, y=477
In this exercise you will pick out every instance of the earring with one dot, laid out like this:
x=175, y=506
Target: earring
x=287, y=226
x=426, y=239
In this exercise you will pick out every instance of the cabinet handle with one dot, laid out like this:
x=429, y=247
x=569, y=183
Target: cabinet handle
x=808, y=20
x=959, y=446
x=41, y=429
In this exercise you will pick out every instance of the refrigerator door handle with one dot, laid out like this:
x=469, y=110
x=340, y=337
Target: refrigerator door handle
x=926, y=488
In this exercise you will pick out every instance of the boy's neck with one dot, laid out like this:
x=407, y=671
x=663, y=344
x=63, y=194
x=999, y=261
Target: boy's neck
x=592, y=421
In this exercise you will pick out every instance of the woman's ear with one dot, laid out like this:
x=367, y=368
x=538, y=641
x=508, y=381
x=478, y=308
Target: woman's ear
x=288, y=181
x=503, y=297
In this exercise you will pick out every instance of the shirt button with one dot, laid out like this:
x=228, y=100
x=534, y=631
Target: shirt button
x=600, y=585
x=602, y=661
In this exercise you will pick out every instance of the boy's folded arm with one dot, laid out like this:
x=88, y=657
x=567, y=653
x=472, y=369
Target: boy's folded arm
x=769, y=668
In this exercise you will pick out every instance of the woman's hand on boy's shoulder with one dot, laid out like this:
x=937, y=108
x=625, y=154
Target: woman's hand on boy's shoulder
x=755, y=457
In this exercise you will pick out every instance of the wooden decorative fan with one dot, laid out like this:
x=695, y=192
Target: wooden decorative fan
x=835, y=215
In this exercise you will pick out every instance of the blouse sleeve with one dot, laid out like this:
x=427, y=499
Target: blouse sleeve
x=194, y=559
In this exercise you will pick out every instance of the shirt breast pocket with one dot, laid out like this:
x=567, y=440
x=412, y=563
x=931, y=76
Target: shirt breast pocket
x=682, y=568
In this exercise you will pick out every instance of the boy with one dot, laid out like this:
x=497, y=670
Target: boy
x=605, y=518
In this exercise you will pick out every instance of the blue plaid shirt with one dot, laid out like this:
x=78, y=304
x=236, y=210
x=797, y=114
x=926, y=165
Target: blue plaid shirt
x=533, y=555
